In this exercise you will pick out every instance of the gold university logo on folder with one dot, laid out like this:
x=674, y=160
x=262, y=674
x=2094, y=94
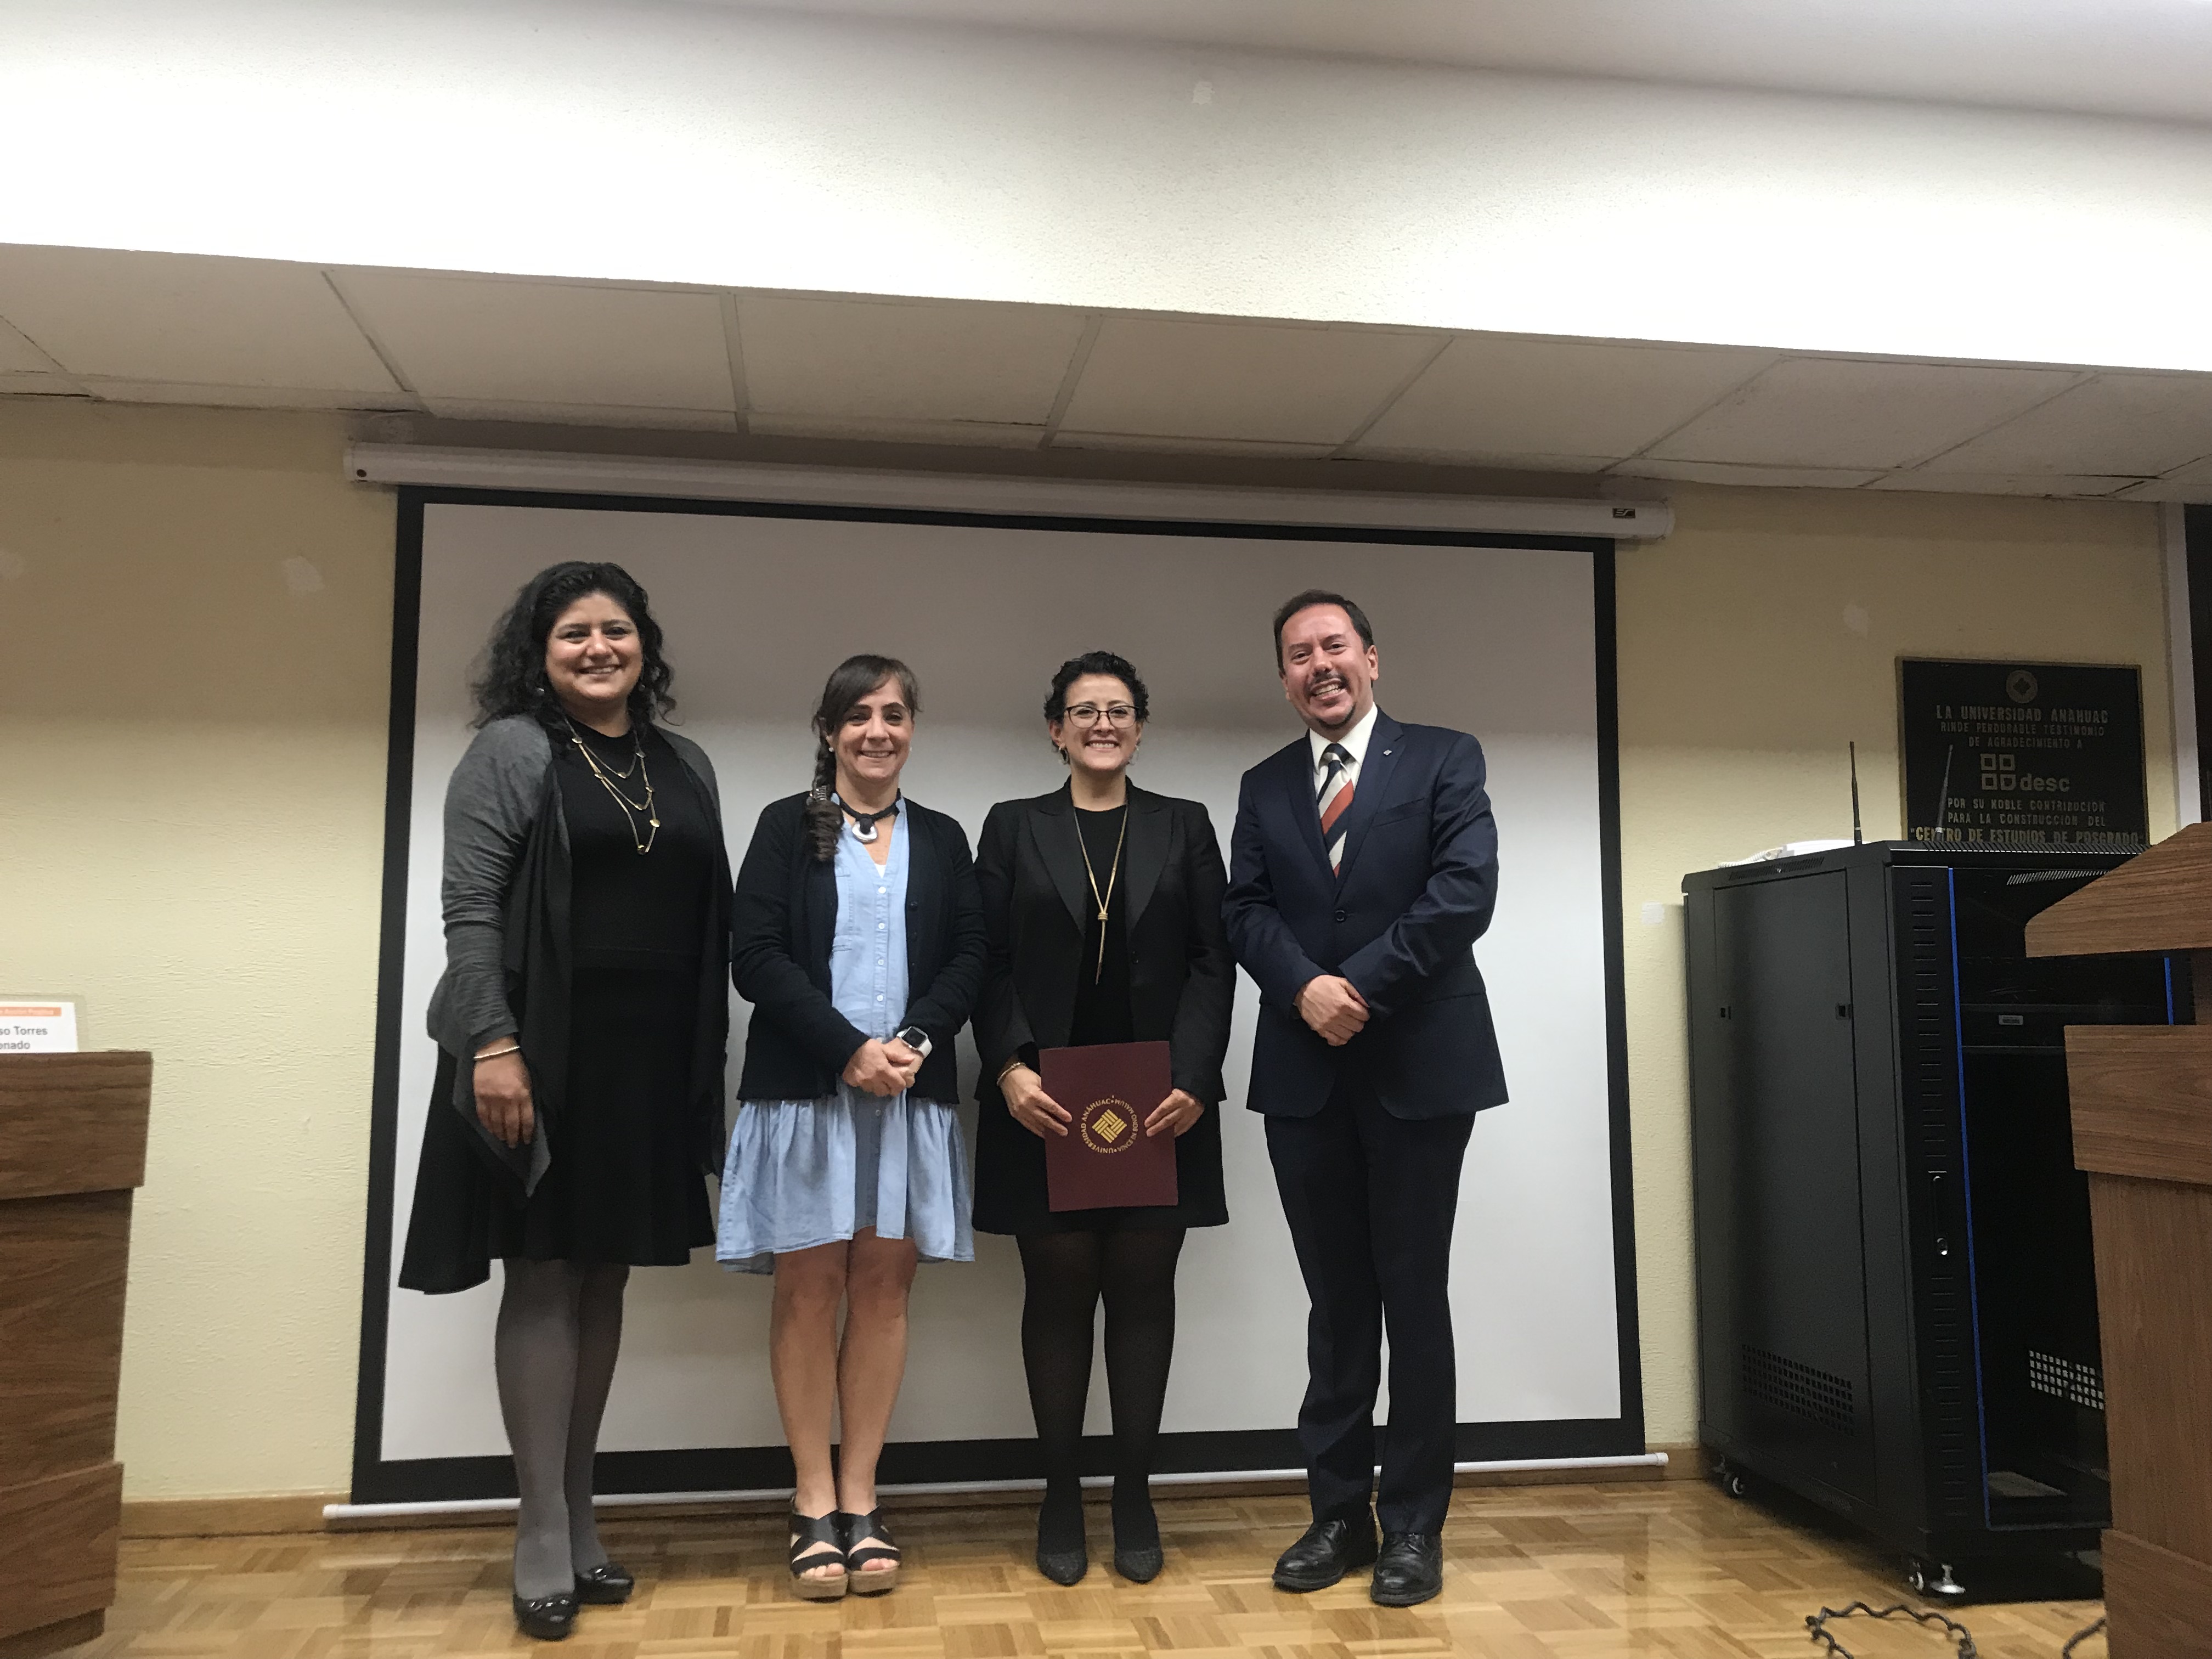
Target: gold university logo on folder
x=1109, y=1125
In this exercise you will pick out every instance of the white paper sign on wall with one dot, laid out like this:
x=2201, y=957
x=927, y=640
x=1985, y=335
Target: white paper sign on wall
x=30, y=1026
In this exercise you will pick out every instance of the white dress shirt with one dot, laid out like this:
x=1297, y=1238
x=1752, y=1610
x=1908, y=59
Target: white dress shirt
x=1354, y=742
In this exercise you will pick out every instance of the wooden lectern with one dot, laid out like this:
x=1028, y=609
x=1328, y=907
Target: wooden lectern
x=2142, y=1099
x=72, y=1147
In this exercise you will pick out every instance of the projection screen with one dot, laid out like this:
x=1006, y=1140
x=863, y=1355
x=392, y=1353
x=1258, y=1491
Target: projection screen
x=1509, y=638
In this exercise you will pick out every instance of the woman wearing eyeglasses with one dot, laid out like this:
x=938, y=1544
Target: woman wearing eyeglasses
x=1102, y=902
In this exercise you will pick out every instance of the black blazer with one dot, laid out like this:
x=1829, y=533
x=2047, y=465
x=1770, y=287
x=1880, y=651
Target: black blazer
x=1419, y=883
x=1029, y=868
x=784, y=914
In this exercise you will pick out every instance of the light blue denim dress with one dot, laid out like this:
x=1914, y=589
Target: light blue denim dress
x=807, y=1172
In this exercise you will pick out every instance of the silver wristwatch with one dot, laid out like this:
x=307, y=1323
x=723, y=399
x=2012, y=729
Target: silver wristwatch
x=915, y=1038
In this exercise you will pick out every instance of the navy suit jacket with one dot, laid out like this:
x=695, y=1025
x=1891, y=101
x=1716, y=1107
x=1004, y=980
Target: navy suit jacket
x=1419, y=883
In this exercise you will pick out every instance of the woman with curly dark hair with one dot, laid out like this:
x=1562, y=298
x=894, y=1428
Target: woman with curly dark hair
x=1103, y=905
x=581, y=1023
x=859, y=940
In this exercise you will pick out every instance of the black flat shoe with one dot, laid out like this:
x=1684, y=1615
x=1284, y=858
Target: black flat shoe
x=604, y=1586
x=546, y=1618
x=1324, y=1553
x=1139, y=1564
x=1409, y=1571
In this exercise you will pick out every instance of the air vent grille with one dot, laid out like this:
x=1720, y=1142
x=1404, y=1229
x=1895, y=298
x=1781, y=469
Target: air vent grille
x=2067, y=1379
x=1801, y=1390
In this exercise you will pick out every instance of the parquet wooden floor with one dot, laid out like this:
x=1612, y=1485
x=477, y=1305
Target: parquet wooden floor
x=1535, y=1573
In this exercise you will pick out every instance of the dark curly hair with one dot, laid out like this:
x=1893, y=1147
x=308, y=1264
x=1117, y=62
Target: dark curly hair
x=1095, y=662
x=511, y=673
x=850, y=681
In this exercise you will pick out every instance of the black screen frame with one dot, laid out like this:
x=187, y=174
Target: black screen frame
x=376, y=1480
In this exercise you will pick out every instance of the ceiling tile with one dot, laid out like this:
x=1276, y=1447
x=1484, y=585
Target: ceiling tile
x=202, y=393
x=503, y=342
x=999, y=364
x=1159, y=378
x=19, y=357
x=1491, y=396
x=2188, y=483
x=1145, y=444
x=1728, y=472
x=2007, y=483
x=2117, y=424
x=1811, y=412
x=177, y=317
x=645, y=415
x=47, y=386
x=985, y=433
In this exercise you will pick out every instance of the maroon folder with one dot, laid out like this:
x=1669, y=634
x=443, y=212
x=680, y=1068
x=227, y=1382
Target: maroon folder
x=1106, y=1159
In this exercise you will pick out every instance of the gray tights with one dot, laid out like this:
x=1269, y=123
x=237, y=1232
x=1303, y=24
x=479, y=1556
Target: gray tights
x=560, y=1329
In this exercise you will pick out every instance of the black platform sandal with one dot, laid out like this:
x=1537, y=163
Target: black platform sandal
x=806, y=1532
x=857, y=1555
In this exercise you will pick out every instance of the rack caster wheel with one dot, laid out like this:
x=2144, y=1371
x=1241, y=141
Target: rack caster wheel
x=1731, y=1481
x=1934, y=1578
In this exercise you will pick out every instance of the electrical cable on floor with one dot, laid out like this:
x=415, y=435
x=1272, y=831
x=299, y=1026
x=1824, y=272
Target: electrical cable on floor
x=1817, y=1626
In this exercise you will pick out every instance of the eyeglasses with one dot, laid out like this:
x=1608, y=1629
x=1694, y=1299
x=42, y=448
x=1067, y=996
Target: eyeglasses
x=1088, y=714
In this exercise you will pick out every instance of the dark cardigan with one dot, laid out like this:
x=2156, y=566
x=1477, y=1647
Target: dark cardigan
x=784, y=919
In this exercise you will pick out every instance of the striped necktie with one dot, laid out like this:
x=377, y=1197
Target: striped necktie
x=1336, y=786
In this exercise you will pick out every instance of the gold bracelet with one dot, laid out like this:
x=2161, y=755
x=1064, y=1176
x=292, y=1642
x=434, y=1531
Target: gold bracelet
x=1009, y=1065
x=494, y=1054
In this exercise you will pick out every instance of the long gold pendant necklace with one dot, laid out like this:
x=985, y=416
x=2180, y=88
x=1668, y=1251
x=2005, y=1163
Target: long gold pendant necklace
x=607, y=774
x=1103, y=899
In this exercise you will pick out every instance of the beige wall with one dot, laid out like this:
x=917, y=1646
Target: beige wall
x=191, y=836
x=1755, y=643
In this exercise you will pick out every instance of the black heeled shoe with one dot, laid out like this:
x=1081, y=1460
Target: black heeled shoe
x=851, y=1528
x=604, y=1586
x=1137, y=1554
x=546, y=1618
x=1065, y=1564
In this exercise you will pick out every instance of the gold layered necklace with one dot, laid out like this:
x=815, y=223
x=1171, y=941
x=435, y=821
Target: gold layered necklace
x=605, y=773
x=1107, y=897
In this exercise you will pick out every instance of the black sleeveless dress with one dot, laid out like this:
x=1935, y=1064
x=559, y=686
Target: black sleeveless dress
x=624, y=1185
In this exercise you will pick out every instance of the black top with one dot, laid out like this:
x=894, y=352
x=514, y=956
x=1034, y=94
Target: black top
x=628, y=909
x=1166, y=975
x=1163, y=936
x=785, y=917
x=1101, y=993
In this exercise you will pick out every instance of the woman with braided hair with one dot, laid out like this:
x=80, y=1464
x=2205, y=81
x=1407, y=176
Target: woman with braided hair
x=858, y=938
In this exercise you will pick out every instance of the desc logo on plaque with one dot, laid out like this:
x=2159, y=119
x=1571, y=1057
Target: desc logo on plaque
x=1109, y=1125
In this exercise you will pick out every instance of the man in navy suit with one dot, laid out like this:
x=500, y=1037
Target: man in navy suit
x=1363, y=868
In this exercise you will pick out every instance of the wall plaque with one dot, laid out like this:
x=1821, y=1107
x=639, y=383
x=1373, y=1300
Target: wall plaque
x=2013, y=753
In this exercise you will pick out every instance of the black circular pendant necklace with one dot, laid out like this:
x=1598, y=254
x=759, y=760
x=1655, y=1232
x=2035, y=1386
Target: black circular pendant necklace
x=864, y=823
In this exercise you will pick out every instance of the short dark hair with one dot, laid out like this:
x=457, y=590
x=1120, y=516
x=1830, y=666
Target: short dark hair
x=511, y=674
x=1096, y=662
x=1306, y=601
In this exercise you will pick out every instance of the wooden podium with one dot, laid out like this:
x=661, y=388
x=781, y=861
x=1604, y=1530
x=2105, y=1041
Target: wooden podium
x=2142, y=1099
x=72, y=1147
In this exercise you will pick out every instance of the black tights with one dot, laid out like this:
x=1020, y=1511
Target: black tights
x=1064, y=1275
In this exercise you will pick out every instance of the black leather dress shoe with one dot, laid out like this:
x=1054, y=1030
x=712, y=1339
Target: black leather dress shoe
x=1327, y=1551
x=1410, y=1570
x=547, y=1618
x=604, y=1586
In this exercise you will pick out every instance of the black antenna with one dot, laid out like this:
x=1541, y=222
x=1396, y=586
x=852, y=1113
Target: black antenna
x=1858, y=836
x=1943, y=805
